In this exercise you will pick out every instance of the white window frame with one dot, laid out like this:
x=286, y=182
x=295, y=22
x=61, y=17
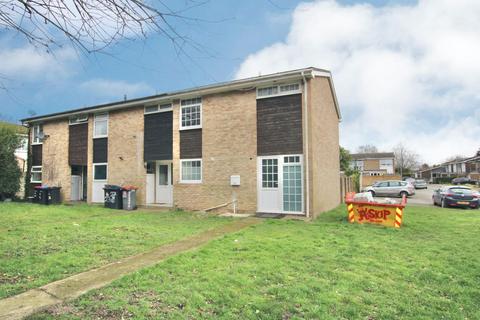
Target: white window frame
x=78, y=119
x=160, y=107
x=100, y=164
x=191, y=181
x=190, y=105
x=280, y=93
x=34, y=128
x=98, y=116
x=32, y=170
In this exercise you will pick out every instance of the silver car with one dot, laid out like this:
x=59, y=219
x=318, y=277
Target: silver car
x=391, y=188
x=420, y=184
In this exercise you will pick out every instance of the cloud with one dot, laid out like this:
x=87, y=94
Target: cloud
x=115, y=89
x=28, y=63
x=403, y=73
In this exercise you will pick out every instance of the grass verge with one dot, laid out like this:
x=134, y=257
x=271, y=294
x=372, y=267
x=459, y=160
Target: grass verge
x=327, y=269
x=41, y=244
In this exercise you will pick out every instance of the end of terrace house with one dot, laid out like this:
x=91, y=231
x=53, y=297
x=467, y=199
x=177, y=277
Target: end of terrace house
x=270, y=143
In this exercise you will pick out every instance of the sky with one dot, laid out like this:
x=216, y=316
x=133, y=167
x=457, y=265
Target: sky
x=404, y=71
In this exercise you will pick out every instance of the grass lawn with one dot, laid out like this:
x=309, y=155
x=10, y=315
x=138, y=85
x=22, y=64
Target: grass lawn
x=40, y=244
x=328, y=269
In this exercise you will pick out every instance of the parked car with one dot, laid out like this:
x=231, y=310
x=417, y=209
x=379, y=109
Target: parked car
x=391, y=188
x=420, y=184
x=463, y=180
x=456, y=196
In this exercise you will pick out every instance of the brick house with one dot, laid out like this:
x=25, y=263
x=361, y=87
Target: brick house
x=374, y=164
x=266, y=144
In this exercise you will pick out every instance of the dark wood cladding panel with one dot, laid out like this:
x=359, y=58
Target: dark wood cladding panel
x=158, y=136
x=279, y=125
x=191, y=144
x=36, y=155
x=78, y=144
x=100, y=150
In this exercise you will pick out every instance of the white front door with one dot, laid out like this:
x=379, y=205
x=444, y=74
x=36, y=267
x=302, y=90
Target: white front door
x=100, y=171
x=280, y=184
x=164, y=188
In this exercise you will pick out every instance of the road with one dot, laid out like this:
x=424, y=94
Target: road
x=424, y=196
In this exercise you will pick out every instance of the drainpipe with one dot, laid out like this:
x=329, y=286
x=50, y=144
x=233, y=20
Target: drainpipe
x=307, y=175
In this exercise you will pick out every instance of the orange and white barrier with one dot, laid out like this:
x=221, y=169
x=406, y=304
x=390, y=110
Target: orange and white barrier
x=386, y=214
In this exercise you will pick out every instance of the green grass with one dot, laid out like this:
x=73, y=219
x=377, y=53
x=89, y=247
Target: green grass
x=327, y=269
x=41, y=244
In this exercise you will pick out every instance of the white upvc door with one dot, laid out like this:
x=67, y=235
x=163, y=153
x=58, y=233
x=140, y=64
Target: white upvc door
x=100, y=171
x=164, y=188
x=280, y=184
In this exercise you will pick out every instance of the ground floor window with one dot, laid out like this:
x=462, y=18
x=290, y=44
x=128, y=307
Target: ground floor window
x=292, y=184
x=36, y=174
x=191, y=171
x=100, y=171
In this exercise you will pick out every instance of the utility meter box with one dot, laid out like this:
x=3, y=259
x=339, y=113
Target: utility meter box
x=235, y=180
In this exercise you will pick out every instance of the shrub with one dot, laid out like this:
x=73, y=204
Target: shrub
x=10, y=173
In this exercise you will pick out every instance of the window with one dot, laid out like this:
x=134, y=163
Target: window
x=292, y=184
x=158, y=108
x=100, y=125
x=78, y=119
x=163, y=174
x=100, y=171
x=37, y=134
x=290, y=87
x=191, y=113
x=150, y=167
x=191, y=171
x=36, y=174
x=279, y=90
x=269, y=173
x=269, y=91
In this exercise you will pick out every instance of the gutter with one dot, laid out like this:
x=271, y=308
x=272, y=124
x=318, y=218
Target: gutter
x=307, y=175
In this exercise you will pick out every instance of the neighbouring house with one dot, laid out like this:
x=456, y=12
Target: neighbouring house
x=460, y=167
x=375, y=166
x=264, y=144
x=21, y=153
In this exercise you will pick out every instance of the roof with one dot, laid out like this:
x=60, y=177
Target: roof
x=247, y=83
x=16, y=127
x=372, y=155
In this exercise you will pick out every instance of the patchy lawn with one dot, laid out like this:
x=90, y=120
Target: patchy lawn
x=40, y=244
x=327, y=269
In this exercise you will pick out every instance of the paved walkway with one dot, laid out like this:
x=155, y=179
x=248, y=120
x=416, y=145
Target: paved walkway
x=27, y=303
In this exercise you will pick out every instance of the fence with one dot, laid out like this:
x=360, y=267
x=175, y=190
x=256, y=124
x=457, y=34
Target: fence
x=366, y=181
x=346, y=185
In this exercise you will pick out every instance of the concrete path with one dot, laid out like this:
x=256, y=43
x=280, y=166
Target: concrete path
x=32, y=301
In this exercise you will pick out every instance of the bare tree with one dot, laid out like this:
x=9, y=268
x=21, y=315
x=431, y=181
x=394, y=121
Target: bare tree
x=92, y=25
x=405, y=160
x=367, y=148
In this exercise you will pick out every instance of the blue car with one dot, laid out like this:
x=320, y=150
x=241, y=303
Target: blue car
x=456, y=196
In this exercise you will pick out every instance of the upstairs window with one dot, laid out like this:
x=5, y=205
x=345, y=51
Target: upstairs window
x=158, y=108
x=100, y=125
x=37, y=134
x=278, y=90
x=78, y=119
x=191, y=113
